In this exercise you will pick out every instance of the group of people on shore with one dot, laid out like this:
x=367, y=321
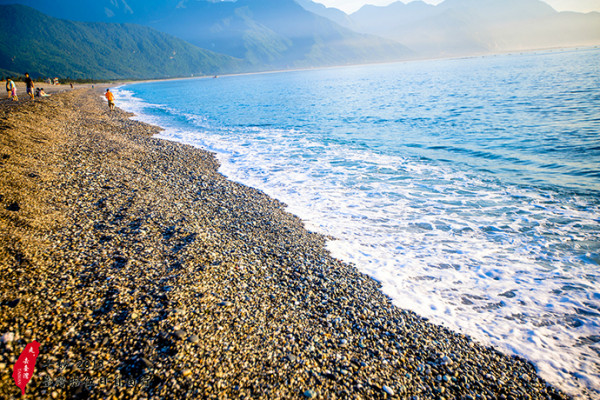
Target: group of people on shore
x=11, y=88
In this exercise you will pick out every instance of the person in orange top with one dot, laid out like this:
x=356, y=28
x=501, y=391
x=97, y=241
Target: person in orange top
x=111, y=99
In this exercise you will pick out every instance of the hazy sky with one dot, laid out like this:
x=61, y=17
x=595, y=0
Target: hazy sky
x=350, y=6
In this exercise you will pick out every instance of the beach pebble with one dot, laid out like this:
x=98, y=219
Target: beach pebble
x=140, y=247
x=180, y=334
x=388, y=390
x=146, y=363
x=7, y=337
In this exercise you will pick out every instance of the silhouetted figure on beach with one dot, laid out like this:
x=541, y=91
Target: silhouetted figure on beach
x=30, y=85
x=111, y=99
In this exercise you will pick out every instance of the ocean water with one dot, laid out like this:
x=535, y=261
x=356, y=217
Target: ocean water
x=470, y=188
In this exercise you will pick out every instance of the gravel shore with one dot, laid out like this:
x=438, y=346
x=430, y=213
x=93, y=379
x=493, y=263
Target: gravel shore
x=145, y=274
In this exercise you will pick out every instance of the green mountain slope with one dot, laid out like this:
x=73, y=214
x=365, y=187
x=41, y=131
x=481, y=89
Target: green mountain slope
x=268, y=34
x=46, y=46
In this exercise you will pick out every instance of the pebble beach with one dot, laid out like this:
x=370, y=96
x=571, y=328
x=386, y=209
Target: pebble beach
x=145, y=274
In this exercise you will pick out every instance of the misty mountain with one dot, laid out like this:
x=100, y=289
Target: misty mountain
x=333, y=14
x=47, y=46
x=466, y=27
x=276, y=33
x=286, y=33
x=266, y=33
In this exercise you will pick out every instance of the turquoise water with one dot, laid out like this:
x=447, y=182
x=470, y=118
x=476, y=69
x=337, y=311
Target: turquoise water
x=469, y=188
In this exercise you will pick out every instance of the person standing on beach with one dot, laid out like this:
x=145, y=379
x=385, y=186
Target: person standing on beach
x=30, y=85
x=111, y=99
x=12, y=89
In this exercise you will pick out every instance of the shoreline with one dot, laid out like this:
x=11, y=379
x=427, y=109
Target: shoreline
x=424, y=59
x=135, y=257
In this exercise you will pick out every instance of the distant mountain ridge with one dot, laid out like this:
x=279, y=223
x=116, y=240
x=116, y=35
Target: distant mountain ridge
x=334, y=14
x=266, y=33
x=276, y=33
x=273, y=34
x=47, y=46
x=467, y=27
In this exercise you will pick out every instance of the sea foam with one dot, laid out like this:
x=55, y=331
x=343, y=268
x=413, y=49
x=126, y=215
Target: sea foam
x=462, y=210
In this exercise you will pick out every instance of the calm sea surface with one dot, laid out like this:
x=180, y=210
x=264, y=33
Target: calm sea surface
x=469, y=188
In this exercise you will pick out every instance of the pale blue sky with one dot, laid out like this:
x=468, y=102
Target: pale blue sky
x=350, y=6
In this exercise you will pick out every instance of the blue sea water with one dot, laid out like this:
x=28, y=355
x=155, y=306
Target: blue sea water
x=470, y=188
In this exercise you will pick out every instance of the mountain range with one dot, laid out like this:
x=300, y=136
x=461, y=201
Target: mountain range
x=270, y=34
x=47, y=46
x=468, y=27
x=275, y=34
x=267, y=34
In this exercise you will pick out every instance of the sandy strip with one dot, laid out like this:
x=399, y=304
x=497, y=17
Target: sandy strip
x=144, y=273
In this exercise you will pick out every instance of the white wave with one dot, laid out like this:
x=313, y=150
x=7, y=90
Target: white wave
x=490, y=260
